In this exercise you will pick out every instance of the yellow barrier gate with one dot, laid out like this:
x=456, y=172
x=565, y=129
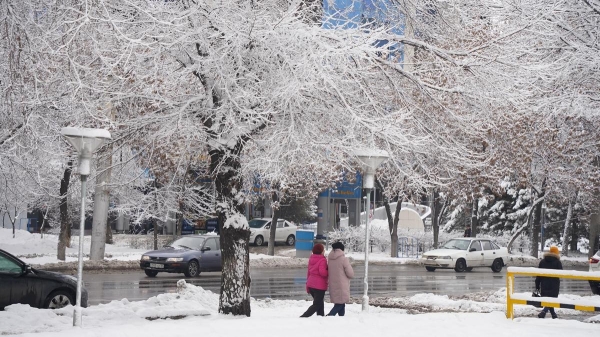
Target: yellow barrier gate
x=512, y=299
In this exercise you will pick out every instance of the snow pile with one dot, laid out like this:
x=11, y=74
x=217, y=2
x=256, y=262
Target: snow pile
x=189, y=300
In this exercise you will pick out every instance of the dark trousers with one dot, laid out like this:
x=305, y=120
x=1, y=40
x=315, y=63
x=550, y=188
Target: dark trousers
x=318, y=306
x=551, y=309
x=339, y=309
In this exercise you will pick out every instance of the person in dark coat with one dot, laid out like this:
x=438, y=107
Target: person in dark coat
x=467, y=232
x=549, y=286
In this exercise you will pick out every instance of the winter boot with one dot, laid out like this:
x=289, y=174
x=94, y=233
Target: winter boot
x=542, y=314
x=554, y=315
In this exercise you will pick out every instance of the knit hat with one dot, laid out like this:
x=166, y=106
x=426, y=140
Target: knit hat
x=318, y=249
x=554, y=250
x=338, y=245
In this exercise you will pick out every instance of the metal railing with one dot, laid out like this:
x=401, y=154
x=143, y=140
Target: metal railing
x=408, y=246
x=512, y=299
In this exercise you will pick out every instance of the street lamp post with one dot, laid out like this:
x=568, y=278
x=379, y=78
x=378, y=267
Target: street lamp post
x=85, y=141
x=369, y=160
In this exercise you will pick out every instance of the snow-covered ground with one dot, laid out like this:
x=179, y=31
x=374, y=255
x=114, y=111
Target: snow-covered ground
x=193, y=310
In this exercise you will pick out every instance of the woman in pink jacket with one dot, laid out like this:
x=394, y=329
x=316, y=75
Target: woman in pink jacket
x=316, y=280
x=340, y=273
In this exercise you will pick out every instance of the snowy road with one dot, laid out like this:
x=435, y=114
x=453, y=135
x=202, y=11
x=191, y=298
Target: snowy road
x=285, y=283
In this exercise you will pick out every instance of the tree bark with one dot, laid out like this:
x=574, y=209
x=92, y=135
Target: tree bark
x=235, y=258
x=474, y=216
x=565, y=238
x=64, y=237
x=594, y=231
x=101, y=201
x=235, y=278
x=535, y=235
x=525, y=225
x=392, y=220
x=437, y=211
x=273, y=229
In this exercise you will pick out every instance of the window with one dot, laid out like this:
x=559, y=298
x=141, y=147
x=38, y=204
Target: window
x=486, y=245
x=8, y=266
x=494, y=245
x=280, y=223
x=476, y=245
x=212, y=244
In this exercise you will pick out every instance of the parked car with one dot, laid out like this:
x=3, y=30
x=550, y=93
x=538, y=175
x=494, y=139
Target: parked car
x=464, y=254
x=260, y=231
x=19, y=283
x=189, y=255
x=595, y=267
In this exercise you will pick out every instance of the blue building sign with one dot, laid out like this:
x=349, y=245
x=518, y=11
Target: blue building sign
x=367, y=14
x=345, y=189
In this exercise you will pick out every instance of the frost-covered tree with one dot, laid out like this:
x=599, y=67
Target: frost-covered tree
x=239, y=89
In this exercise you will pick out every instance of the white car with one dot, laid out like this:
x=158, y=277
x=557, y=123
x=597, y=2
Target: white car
x=595, y=266
x=464, y=254
x=260, y=231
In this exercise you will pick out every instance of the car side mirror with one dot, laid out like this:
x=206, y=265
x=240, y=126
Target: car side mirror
x=26, y=269
x=472, y=249
x=268, y=227
x=205, y=249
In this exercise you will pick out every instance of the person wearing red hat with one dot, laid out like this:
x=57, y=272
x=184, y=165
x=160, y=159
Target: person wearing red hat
x=316, y=280
x=549, y=286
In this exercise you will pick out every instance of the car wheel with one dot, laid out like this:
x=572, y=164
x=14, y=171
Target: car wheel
x=461, y=265
x=259, y=241
x=469, y=269
x=290, y=240
x=59, y=299
x=497, y=265
x=150, y=273
x=430, y=268
x=595, y=286
x=193, y=269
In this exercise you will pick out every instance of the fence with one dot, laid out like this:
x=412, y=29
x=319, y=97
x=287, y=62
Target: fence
x=409, y=246
x=512, y=299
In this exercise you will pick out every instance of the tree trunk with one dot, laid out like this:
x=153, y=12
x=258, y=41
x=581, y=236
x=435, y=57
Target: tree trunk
x=235, y=258
x=64, y=237
x=392, y=220
x=272, y=230
x=437, y=211
x=109, y=234
x=235, y=277
x=101, y=200
x=155, y=234
x=565, y=238
x=535, y=235
x=594, y=232
x=525, y=225
x=474, y=216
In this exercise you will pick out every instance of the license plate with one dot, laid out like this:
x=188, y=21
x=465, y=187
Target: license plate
x=157, y=265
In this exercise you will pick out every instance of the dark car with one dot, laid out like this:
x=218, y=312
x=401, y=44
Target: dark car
x=19, y=283
x=190, y=255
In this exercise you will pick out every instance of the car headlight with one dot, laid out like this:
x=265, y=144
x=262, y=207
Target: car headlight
x=145, y=257
x=175, y=259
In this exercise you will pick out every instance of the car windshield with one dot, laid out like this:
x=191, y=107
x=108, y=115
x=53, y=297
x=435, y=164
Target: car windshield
x=457, y=244
x=188, y=242
x=257, y=223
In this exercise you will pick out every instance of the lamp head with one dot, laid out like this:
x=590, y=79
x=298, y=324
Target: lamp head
x=85, y=141
x=370, y=161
